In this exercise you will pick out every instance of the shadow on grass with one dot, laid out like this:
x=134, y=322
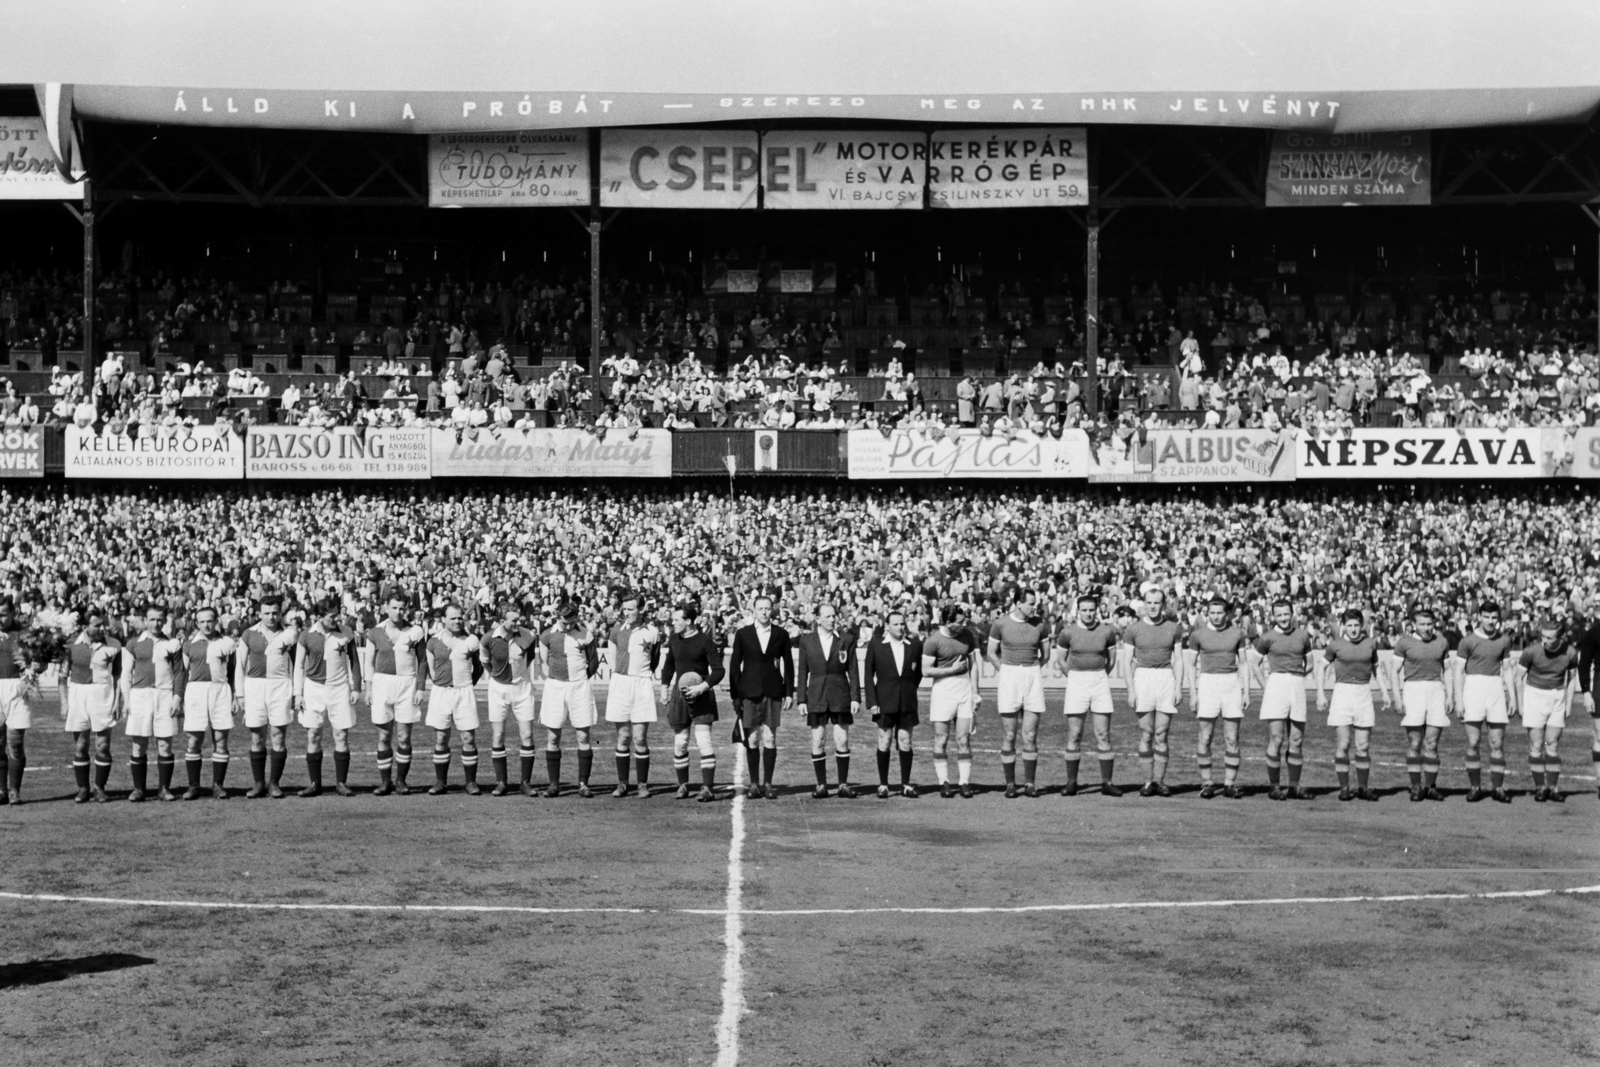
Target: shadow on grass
x=40, y=972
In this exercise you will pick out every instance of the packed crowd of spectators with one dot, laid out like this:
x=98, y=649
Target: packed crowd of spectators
x=1534, y=549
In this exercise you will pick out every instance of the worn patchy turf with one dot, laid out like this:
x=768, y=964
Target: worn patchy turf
x=1456, y=982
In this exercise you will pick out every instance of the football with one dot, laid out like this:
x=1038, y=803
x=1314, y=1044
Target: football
x=688, y=681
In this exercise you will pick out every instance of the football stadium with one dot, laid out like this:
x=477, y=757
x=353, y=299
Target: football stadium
x=674, y=534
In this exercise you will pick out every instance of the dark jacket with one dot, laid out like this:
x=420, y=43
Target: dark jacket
x=893, y=692
x=757, y=675
x=828, y=684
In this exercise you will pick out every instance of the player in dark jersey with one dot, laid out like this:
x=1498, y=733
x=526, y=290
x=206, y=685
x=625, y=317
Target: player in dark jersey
x=1353, y=660
x=1154, y=681
x=1016, y=650
x=1219, y=688
x=950, y=660
x=1548, y=670
x=691, y=706
x=1425, y=701
x=1086, y=653
x=1285, y=648
x=18, y=688
x=1484, y=666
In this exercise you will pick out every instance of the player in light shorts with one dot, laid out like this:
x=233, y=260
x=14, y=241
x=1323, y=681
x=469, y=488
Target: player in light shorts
x=91, y=702
x=631, y=700
x=16, y=711
x=1085, y=651
x=950, y=698
x=268, y=702
x=1544, y=709
x=207, y=706
x=1548, y=671
x=1284, y=697
x=1088, y=692
x=1351, y=705
x=1155, y=689
x=1016, y=648
x=395, y=699
x=1020, y=688
x=1218, y=696
x=150, y=713
x=452, y=705
x=18, y=683
x=569, y=703
x=92, y=707
x=514, y=699
x=1483, y=700
x=1426, y=705
x=1483, y=666
x=330, y=704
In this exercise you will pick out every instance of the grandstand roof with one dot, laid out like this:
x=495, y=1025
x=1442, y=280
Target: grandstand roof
x=416, y=65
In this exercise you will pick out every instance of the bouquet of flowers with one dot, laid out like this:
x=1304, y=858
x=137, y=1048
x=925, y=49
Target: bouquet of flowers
x=44, y=643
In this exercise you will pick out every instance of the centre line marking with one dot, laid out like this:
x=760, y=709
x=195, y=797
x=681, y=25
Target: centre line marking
x=733, y=931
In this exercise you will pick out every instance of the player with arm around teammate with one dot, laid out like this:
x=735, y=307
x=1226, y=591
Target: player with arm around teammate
x=208, y=656
x=1548, y=671
x=1219, y=688
x=1085, y=653
x=507, y=655
x=950, y=659
x=1425, y=701
x=1154, y=679
x=1286, y=648
x=631, y=700
x=1352, y=660
x=327, y=685
x=399, y=673
x=1485, y=666
x=1017, y=643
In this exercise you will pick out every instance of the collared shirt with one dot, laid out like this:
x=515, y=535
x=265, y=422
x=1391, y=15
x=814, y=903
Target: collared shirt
x=330, y=657
x=93, y=662
x=454, y=658
x=154, y=661
x=395, y=650
x=505, y=654
x=763, y=636
x=269, y=655
x=566, y=655
x=826, y=642
x=898, y=650
x=209, y=659
x=637, y=649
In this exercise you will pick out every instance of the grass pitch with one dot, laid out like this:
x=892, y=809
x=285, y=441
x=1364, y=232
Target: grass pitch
x=1479, y=981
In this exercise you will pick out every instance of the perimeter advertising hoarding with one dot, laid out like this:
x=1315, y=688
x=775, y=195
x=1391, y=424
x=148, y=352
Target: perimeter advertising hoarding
x=339, y=454
x=1575, y=455
x=28, y=168
x=552, y=454
x=208, y=453
x=1412, y=454
x=528, y=168
x=1350, y=169
x=843, y=170
x=1178, y=457
x=966, y=454
x=718, y=168
x=22, y=453
x=1045, y=167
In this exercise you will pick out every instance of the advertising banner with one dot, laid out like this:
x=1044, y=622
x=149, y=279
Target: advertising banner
x=1045, y=167
x=1183, y=456
x=966, y=454
x=1349, y=169
x=679, y=168
x=524, y=169
x=1413, y=454
x=22, y=453
x=210, y=453
x=28, y=168
x=844, y=170
x=552, y=454
x=340, y=454
x=1573, y=455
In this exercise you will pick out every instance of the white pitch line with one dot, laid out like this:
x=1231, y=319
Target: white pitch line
x=1155, y=904
x=235, y=905
x=737, y=911
x=733, y=931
